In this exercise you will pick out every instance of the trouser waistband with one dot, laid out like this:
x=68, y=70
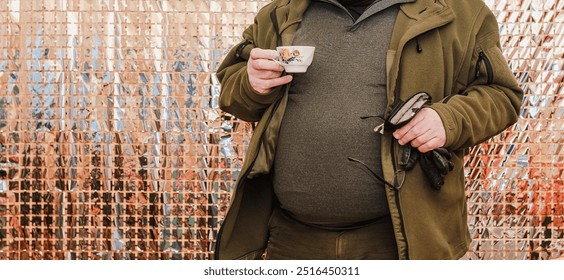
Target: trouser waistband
x=345, y=227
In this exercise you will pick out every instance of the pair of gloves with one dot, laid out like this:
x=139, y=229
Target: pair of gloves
x=436, y=164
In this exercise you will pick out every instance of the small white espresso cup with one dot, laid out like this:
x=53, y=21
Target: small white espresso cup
x=295, y=59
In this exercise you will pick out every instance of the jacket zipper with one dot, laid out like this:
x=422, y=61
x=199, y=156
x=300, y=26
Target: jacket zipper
x=244, y=175
x=402, y=225
x=489, y=69
x=397, y=199
x=394, y=161
x=274, y=19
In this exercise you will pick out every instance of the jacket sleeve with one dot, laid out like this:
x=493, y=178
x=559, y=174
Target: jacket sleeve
x=237, y=97
x=491, y=100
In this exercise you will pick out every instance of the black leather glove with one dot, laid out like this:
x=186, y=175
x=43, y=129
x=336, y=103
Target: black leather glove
x=436, y=165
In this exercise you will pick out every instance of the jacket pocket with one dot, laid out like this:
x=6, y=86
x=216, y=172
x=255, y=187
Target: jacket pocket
x=484, y=67
x=491, y=67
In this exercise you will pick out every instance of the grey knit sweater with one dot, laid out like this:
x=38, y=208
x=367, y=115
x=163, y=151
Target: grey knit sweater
x=322, y=126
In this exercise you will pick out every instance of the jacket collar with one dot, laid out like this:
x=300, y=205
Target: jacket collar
x=421, y=9
x=415, y=18
x=419, y=17
x=293, y=11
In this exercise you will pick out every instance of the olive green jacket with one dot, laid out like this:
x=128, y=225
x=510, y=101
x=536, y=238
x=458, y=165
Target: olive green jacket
x=448, y=48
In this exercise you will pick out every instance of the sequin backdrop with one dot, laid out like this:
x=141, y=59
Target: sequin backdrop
x=112, y=145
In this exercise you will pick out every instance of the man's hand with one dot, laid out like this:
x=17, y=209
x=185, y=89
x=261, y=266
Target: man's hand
x=265, y=73
x=424, y=132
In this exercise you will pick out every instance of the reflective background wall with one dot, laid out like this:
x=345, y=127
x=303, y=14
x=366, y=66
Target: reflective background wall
x=112, y=145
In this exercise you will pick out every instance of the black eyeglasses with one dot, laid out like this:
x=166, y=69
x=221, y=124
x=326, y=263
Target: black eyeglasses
x=402, y=112
x=382, y=180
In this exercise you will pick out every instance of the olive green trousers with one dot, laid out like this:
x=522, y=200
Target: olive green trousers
x=292, y=240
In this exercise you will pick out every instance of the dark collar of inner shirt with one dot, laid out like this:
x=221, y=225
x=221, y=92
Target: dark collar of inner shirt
x=358, y=8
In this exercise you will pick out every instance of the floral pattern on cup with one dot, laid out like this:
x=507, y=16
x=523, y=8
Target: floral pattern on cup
x=287, y=55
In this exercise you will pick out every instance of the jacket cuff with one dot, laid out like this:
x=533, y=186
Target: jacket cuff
x=449, y=122
x=243, y=51
x=259, y=98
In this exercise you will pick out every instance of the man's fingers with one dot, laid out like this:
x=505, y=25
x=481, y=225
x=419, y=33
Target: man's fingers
x=265, y=73
x=409, y=131
x=425, y=131
x=430, y=145
x=258, y=53
x=262, y=59
x=280, y=80
x=265, y=85
x=421, y=139
x=266, y=64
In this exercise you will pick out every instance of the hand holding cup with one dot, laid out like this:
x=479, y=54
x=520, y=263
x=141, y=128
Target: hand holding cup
x=264, y=72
